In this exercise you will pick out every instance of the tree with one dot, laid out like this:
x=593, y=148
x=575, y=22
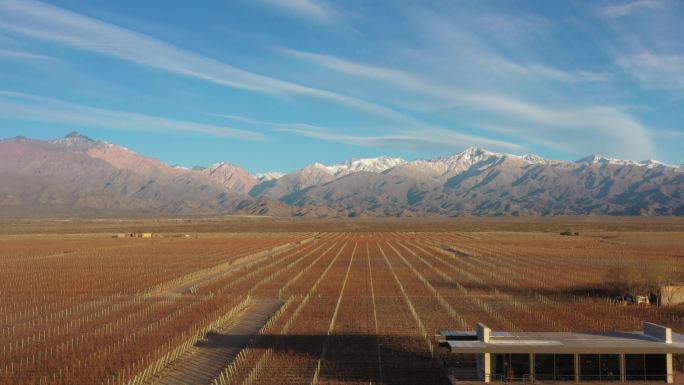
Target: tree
x=643, y=278
x=666, y=279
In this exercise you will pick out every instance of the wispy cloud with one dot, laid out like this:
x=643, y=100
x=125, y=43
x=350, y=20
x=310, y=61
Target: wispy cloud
x=596, y=128
x=628, y=8
x=430, y=138
x=32, y=108
x=316, y=10
x=46, y=22
x=427, y=139
x=399, y=78
x=672, y=134
x=403, y=78
x=665, y=71
x=22, y=55
x=649, y=45
x=471, y=69
x=606, y=121
x=538, y=138
x=265, y=123
x=540, y=71
x=53, y=24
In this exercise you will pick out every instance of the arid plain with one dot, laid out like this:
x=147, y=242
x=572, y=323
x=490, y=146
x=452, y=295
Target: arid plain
x=272, y=301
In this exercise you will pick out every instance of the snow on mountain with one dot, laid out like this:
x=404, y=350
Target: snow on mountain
x=463, y=160
x=76, y=140
x=460, y=162
x=598, y=159
x=315, y=173
x=267, y=176
x=532, y=158
x=602, y=160
x=429, y=167
x=97, y=175
x=473, y=155
x=652, y=163
x=375, y=165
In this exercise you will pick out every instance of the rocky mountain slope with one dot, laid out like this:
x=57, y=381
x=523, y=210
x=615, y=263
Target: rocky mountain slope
x=479, y=182
x=231, y=177
x=76, y=175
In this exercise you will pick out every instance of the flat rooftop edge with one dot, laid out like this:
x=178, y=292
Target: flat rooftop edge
x=562, y=342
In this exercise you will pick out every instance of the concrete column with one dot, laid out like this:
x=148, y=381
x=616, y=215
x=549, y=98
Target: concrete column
x=668, y=368
x=577, y=368
x=484, y=367
x=531, y=367
x=487, y=369
x=623, y=369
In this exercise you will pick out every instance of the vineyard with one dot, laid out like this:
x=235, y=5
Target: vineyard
x=301, y=307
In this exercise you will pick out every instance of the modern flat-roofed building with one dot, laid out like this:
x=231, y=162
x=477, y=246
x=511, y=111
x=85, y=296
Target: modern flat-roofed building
x=559, y=356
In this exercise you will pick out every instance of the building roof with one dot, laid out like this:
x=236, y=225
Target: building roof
x=561, y=342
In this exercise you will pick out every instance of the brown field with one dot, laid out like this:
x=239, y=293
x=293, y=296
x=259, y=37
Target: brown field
x=266, y=301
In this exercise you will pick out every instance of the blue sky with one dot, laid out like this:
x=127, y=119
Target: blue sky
x=277, y=84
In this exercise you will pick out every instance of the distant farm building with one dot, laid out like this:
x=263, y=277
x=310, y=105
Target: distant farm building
x=672, y=295
x=133, y=235
x=552, y=356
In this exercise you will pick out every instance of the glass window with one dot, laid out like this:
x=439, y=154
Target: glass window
x=519, y=367
x=565, y=367
x=554, y=367
x=510, y=367
x=634, y=367
x=544, y=367
x=498, y=367
x=600, y=367
x=610, y=367
x=590, y=368
x=656, y=367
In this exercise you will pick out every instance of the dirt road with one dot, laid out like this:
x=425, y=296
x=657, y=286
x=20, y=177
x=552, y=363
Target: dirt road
x=208, y=357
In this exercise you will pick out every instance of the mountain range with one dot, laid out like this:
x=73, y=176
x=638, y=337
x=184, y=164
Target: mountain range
x=78, y=176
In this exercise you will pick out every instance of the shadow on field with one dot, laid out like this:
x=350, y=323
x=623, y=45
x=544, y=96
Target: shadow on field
x=350, y=357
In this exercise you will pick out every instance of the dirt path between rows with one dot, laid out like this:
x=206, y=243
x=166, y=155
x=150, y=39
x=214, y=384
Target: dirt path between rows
x=204, y=361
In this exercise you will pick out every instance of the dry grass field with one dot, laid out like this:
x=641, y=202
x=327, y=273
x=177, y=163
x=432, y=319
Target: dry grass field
x=303, y=302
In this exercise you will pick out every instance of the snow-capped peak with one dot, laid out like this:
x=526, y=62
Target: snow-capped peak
x=598, y=159
x=532, y=158
x=76, y=139
x=602, y=160
x=652, y=163
x=316, y=167
x=266, y=176
x=375, y=165
x=77, y=135
x=220, y=165
x=463, y=160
